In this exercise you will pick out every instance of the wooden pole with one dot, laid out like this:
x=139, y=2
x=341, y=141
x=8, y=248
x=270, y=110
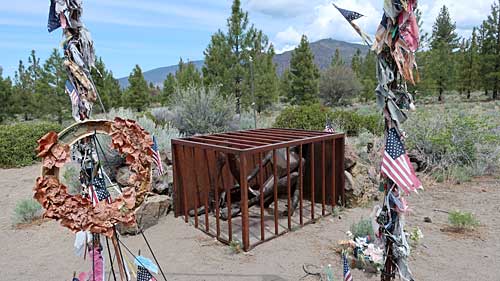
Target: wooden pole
x=118, y=258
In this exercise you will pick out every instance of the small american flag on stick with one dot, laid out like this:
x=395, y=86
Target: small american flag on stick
x=144, y=275
x=73, y=94
x=397, y=166
x=328, y=127
x=347, y=270
x=157, y=157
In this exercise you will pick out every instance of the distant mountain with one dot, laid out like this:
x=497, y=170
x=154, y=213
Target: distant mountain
x=323, y=51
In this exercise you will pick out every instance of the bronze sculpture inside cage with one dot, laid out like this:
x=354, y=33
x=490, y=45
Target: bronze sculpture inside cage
x=252, y=186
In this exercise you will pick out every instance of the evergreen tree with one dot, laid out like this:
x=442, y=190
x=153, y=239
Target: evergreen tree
x=5, y=97
x=227, y=60
x=424, y=35
x=285, y=85
x=107, y=86
x=368, y=77
x=356, y=63
x=304, y=75
x=137, y=94
x=23, y=98
x=336, y=59
x=50, y=94
x=265, y=80
x=187, y=75
x=168, y=89
x=444, y=40
x=491, y=50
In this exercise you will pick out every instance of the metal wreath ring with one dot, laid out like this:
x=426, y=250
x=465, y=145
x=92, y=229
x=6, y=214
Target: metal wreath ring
x=77, y=212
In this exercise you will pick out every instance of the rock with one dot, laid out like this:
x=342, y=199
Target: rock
x=360, y=187
x=123, y=175
x=160, y=188
x=351, y=158
x=428, y=219
x=148, y=214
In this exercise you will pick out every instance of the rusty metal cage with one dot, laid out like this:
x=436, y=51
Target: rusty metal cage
x=208, y=171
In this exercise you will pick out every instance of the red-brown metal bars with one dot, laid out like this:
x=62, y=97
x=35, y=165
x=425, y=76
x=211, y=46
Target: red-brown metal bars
x=208, y=188
x=301, y=186
x=261, y=194
x=288, y=189
x=312, y=181
x=197, y=188
x=323, y=179
x=333, y=175
x=275, y=175
x=218, y=176
x=184, y=191
x=229, y=209
x=245, y=231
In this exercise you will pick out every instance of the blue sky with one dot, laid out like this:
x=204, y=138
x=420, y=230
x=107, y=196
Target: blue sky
x=155, y=33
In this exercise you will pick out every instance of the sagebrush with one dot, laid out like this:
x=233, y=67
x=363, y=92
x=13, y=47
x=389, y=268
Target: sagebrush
x=26, y=211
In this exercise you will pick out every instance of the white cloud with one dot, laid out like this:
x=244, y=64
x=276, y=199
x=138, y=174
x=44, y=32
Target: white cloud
x=278, y=8
x=288, y=36
x=318, y=19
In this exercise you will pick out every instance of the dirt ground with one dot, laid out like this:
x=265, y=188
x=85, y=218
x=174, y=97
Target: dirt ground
x=45, y=252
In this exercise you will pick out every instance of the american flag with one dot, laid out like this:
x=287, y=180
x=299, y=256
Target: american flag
x=144, y=275
x=157, y=157
x=328, y=127
x=348, y=15
x=397, y=166
x=73, y=94
x=347, y=271
x=98, y=191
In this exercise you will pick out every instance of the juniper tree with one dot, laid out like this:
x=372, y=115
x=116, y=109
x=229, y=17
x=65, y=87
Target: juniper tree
x=137, y=94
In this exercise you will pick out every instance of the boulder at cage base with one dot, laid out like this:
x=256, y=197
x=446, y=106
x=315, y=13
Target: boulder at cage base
x=147, y=215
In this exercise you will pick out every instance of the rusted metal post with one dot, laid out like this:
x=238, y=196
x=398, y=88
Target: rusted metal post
x=245, y=231
x=207, y=189
x=323, y=178
x=197, y=188
x=218, y=175
x=288, y=189
x=313, y=187
x=275, y=174
x=184, y=189
x=301, y=187
x=261, y=194
x=334, y=189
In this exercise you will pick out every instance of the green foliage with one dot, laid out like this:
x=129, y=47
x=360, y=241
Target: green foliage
x=107, y=86
x=238, y=58
x=202, y=111
x=304, y=75
x=362, y=228
x=338, y=85
x=462, y=220
x=26, y=211
x=168, y=89
x=71, y=178
x=6, y=92
x=449, y=139
x=137, y=94
x=314, y=117
x=18, y=142
x=187, y=75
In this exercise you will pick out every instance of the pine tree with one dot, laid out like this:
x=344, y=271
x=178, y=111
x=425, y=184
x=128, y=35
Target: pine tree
x=491, y=47
x=187, y=75
x=227, y=60
x=443, y=40
x=265, y=80
x=368, y=77
x=168, y=89
x=23, y=99
x=107, y=86
x=304, y=75
x=50, y=89
x=285, y=86
x=356, y=63
x=336, y=59
x=5, y=97
x=137, y=94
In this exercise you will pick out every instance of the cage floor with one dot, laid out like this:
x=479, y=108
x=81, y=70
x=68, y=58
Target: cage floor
x=254, y=222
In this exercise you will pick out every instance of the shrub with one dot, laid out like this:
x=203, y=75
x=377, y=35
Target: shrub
x=26, y=211
x=462, y=220
x=18, y=142
x=451, y=140
x=202, y=111
x=314, y=117
x=362, y=228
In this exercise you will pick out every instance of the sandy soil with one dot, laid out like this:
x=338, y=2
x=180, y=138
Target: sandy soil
x=45, y=252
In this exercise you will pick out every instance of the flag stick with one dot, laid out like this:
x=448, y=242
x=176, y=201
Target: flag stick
x=118, y=257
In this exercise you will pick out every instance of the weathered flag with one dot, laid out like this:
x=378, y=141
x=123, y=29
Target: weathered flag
x=350, y=16
x=397, y=166
x=328, y=127
x=73, y=94
x=157, y=157
x=144, y=275
x=98, y=191
x=347, y=270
